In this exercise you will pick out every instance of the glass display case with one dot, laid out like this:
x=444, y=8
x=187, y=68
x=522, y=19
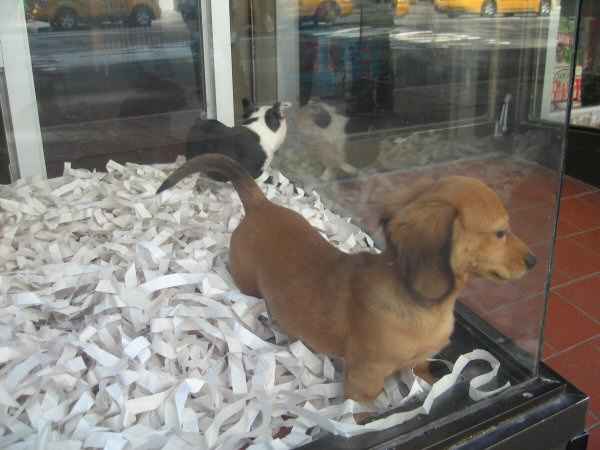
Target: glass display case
x=375, y=96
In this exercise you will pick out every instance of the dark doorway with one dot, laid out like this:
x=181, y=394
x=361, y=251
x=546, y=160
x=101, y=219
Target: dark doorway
x=583, y=151
x=4, y=155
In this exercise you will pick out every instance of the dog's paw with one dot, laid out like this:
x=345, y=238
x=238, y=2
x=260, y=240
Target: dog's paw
x=423, y=371
x=363, y=417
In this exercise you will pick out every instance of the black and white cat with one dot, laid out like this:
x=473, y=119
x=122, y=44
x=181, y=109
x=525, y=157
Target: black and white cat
x=253, y=143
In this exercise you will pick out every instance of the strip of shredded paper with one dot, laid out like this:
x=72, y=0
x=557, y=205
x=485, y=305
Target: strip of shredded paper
x=120, y=327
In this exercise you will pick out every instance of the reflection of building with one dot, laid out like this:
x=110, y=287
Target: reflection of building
x=584, y=135
x=590, y=44
x=586, y=87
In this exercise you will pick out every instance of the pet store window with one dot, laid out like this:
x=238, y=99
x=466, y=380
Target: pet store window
x=425, y=136
x=117, y=80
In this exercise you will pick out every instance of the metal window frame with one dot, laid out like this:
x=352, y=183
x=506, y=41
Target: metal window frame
x=27, y=158
x=20, y=98
x=218, y=67
x=217, y=59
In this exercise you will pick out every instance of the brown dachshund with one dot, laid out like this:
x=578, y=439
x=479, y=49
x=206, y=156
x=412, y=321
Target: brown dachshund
x=380, y=312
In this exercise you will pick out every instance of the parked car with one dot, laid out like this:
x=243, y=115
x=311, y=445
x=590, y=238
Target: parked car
x=69, y=14
x=440, y=5
x=402, y=7
x=324, y=10
x=490, y=8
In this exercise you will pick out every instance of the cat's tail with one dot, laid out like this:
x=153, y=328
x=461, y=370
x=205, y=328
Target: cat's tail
x=219, y=167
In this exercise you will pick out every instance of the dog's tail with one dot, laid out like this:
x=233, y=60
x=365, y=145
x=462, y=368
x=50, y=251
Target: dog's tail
x=220, y=167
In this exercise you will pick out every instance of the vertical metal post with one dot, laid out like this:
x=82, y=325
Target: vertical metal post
x=20, y=89
x=220, y=58
x=207, y=51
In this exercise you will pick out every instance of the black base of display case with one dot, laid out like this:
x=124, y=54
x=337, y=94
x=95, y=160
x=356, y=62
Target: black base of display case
x=583, y=155
x=544, y=412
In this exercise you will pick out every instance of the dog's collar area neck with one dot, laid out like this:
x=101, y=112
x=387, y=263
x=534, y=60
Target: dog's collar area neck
x=389, y=259
x=421, y=300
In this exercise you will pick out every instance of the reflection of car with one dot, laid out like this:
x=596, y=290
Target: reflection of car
x=68, y=14
x=491, y=7
x=324, y=10
x=401, y=8
x=440, y=5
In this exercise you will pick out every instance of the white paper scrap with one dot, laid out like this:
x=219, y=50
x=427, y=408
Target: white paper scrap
x=172, y=280
x=148, y=403
x=122, y=328
x=103, y=357
x=135, y=347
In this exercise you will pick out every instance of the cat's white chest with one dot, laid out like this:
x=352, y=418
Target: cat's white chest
x=270, y=141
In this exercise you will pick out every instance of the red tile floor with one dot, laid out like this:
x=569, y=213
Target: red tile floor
x=573, y=325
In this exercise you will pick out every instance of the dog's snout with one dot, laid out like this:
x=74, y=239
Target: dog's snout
x=530, y=261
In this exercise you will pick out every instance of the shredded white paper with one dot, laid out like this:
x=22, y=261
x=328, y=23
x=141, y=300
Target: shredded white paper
x=120, y=326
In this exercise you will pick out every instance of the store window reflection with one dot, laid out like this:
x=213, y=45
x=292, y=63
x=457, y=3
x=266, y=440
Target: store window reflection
x=586, y=110
x=118, y=79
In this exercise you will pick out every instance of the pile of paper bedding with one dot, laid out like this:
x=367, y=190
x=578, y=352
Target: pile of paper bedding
x=120, y=327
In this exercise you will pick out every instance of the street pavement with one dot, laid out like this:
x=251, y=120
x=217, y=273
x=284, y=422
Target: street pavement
x=101, y=72
x=171, y=34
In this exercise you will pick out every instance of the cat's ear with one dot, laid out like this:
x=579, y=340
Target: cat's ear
x=248, y=107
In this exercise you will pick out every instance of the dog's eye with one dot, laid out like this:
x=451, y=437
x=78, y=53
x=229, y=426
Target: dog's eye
x=500, y=234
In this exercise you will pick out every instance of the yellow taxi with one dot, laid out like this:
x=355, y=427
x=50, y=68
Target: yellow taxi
x=402, y=7
x=325, y=10
x=68, y=14
x=492, y=7
x=440, y=5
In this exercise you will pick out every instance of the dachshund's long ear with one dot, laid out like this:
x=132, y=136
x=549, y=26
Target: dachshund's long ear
x=392, y=202
x=421, y=237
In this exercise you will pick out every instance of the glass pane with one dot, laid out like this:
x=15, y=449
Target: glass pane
x=425, y=136
x=439, y=90
x=118, y=79
x=586, y=110
x=386, y=93
x=253, y=52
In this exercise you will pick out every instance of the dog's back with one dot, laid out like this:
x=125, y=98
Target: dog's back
x=276, y=254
